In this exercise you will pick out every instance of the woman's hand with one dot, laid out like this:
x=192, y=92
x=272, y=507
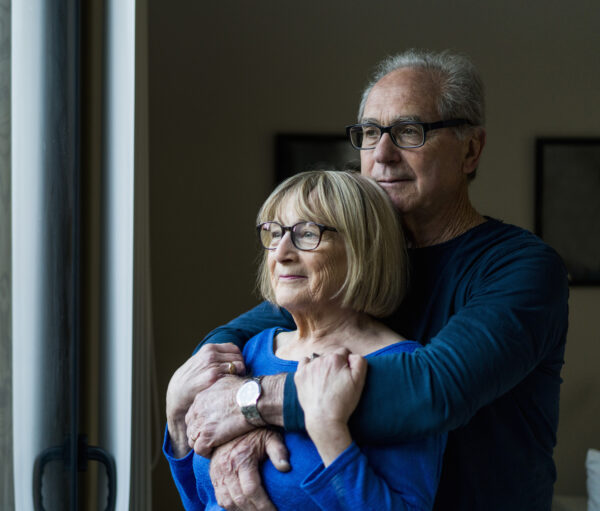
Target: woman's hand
x=329, y=388
x=234, y=469
x=200, y=371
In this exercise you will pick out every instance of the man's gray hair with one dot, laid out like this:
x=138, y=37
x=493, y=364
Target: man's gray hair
x=461, y=89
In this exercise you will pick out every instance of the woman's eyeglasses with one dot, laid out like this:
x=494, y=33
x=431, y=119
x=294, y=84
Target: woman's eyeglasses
x=305, y=235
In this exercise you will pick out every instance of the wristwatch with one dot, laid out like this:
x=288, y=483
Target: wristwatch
x=247, y=399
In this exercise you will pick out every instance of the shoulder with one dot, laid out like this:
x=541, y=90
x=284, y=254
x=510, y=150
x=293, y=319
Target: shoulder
x=398, y=347
x=495, y=249
x=510, y=249
x=259, y=343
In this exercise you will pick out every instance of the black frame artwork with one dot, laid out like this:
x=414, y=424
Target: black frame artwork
x=299, y=152
x=567, y=206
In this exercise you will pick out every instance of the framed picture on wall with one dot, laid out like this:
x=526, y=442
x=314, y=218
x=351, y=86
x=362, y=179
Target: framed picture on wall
x=299, y=152
x=567, y=206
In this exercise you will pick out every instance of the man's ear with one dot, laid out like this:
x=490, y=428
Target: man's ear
x=473, y=147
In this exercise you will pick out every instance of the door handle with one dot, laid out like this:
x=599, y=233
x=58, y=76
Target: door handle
x=85, y=453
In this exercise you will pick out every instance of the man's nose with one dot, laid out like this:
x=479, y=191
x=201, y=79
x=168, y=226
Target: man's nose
x=386, y=151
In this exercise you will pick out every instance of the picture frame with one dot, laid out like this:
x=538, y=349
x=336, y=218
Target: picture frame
x=298, y=152
x=567, y=204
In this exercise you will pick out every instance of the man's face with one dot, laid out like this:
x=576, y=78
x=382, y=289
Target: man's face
x=424, y=181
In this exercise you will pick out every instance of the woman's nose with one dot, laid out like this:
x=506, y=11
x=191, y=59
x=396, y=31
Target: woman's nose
x=285, y=249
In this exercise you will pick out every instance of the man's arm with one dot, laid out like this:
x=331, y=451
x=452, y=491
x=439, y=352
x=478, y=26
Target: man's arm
x=239, y=330
x=514, y=320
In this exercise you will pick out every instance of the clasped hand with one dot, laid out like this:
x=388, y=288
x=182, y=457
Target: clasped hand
x=329, y=388
x=211, y=363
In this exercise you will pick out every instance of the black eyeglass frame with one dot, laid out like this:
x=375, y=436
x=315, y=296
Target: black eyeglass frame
x=284, y=228
x=427, y=126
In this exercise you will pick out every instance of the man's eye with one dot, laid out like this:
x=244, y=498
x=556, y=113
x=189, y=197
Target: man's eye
x=370, y=132
x=408, y=130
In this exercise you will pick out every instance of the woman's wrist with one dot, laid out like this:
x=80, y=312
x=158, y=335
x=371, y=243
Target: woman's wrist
x=178, y=437
x=330, y=438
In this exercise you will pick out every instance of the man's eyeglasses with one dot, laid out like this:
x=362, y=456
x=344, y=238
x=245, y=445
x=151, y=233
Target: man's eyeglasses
x=404, y=134
x=305, y=235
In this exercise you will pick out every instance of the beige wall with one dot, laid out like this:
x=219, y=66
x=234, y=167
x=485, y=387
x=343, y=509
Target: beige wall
x=280, y=66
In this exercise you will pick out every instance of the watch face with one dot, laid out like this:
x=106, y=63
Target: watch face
x=248, y=393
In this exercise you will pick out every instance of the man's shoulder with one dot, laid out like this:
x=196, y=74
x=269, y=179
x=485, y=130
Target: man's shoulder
x=497, y=238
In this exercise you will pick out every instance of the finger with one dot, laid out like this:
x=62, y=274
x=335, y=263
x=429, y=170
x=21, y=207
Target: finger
x=303, y=361
x=191, y=434
x=233, y=367
x=254, y=495
x=341, y=351
x=201, y=448
x=277, y=452
x=227, y=347
x=230, y=494
x=219, y=472
x=236, y=496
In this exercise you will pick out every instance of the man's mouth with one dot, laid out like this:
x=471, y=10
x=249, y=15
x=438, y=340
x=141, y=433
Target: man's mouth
x=394, y=181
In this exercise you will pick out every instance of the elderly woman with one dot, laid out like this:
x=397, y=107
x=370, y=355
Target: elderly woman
x=333, y=251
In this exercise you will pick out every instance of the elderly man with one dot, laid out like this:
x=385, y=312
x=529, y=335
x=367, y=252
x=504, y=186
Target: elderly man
x=488, y=300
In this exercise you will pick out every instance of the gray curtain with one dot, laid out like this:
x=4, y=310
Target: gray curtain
x=6, y=453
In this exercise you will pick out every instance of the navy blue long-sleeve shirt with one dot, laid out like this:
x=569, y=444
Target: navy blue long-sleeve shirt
x=490, y=306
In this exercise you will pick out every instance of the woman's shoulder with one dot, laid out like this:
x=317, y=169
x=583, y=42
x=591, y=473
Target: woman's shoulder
x=403, y=346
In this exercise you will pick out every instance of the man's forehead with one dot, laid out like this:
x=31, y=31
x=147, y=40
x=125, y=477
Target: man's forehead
x=392, y=119
x=404, y=94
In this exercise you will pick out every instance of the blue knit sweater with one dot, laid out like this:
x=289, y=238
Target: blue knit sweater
x=396, y=477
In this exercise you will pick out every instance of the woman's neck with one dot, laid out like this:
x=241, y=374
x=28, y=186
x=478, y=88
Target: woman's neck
x=324, y=332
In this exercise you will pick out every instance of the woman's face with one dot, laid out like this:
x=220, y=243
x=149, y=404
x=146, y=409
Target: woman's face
x=306, y=281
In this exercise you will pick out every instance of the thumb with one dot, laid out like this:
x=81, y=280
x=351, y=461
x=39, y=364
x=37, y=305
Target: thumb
x=277, y=452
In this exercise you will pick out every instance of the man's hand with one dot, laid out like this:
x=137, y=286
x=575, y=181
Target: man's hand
x=198, y=373
x=234, y=470
x=215, y=417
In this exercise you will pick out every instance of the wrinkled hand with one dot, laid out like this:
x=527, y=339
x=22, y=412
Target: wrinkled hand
x=198, y=373
x=329, y=388
x=214, y=417
x=234, y=469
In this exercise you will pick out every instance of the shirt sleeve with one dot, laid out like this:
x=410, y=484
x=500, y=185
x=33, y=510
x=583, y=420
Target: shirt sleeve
x=239, y=330
x=515, y=319
x=350, y=482
x=183, y=476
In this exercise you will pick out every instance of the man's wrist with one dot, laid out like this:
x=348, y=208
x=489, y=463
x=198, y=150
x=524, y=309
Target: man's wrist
x=247, y=398
x=270, y=404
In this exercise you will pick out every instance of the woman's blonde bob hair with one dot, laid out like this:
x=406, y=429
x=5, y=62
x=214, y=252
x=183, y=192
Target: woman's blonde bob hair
x=364, y=216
